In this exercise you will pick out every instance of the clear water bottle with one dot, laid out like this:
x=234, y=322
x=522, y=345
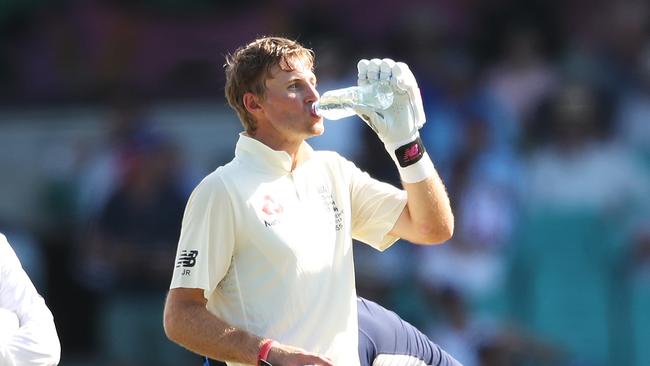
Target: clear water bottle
x=339, y=103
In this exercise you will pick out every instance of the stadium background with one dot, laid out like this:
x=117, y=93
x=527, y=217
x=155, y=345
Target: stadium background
x=538, y=121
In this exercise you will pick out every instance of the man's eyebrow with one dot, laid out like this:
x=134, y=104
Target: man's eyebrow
x=311, y=79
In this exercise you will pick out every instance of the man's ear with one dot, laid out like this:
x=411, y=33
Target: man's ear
x=251, y=103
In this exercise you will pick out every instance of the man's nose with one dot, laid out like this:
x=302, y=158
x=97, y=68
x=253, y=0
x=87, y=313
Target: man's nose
x=312, y=94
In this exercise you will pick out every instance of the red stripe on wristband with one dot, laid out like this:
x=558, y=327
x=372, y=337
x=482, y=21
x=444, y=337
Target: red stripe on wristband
x=264, y=350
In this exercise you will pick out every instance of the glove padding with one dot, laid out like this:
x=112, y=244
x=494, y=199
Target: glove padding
x=398, y=124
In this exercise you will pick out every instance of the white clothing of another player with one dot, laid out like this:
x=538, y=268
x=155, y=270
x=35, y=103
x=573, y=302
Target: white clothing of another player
x=28, y=335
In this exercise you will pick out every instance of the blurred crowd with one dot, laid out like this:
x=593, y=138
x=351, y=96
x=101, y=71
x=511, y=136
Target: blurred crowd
x=538, y=120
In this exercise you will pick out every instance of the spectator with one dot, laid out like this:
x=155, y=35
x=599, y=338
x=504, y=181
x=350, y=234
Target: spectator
x=582, y=187
x=131, y=247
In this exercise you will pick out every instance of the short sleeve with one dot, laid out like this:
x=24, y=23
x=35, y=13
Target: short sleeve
x=206, y=243
x=376, y=206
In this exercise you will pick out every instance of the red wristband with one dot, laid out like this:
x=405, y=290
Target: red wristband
x=264, y=350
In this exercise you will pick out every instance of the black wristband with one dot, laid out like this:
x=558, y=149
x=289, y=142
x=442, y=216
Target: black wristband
x=410, y=153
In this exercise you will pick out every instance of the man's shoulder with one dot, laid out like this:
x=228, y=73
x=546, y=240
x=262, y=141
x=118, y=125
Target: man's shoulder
x=220, y=173
x=224, y=179
x=334, y=160
x=326, y=154
x=328, y=157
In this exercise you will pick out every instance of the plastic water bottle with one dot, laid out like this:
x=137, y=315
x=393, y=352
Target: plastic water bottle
x=339, y=103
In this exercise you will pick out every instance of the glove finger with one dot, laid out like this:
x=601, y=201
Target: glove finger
x=416, y=101
x=386, y=69
x=362, y=68
x=405, y=80
x=373, y=69
x=402, y=76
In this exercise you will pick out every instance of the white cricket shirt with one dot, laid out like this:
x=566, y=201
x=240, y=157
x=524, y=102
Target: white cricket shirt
x=35, y=341
x=272, y=248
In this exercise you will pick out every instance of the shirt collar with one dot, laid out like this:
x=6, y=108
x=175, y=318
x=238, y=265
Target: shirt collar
x=260, y=155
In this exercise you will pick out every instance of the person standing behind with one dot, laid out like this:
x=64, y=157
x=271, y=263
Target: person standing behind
x=28, y=335
x=131, y=247
x=264, y=268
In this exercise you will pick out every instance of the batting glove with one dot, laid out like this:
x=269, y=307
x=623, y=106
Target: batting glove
x=398, y=126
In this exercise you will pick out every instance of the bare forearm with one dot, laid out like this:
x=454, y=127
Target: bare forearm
x=429, y=211
x=190, y=324
x=198, y=330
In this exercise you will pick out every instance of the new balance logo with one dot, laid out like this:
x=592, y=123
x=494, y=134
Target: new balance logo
x=410, y=153
x=187, y=258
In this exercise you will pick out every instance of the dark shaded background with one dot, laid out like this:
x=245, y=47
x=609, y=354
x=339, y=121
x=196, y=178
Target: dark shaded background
x=538, y=120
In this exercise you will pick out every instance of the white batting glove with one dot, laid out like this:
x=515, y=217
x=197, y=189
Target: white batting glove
x=398, y=126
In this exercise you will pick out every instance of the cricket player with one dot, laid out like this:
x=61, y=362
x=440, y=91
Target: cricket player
x=385, y=339
x=27, y=333
x=264, y=270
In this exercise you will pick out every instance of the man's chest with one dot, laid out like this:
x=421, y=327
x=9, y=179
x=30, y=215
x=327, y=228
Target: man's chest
x=298, y=217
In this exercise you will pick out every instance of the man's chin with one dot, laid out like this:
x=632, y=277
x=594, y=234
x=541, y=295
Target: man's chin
x=318, y=129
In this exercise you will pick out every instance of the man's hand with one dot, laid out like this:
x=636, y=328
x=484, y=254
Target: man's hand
x=283, y=355
x=399, y=124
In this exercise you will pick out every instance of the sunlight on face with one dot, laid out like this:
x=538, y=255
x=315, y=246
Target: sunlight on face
x=287, y=103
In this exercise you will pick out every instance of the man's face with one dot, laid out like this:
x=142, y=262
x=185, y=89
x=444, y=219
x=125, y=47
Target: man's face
x=286, y=106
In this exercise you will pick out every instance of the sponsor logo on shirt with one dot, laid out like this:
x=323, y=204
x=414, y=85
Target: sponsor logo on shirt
x=271, y=211
x=186, y=259
x=330, y=204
